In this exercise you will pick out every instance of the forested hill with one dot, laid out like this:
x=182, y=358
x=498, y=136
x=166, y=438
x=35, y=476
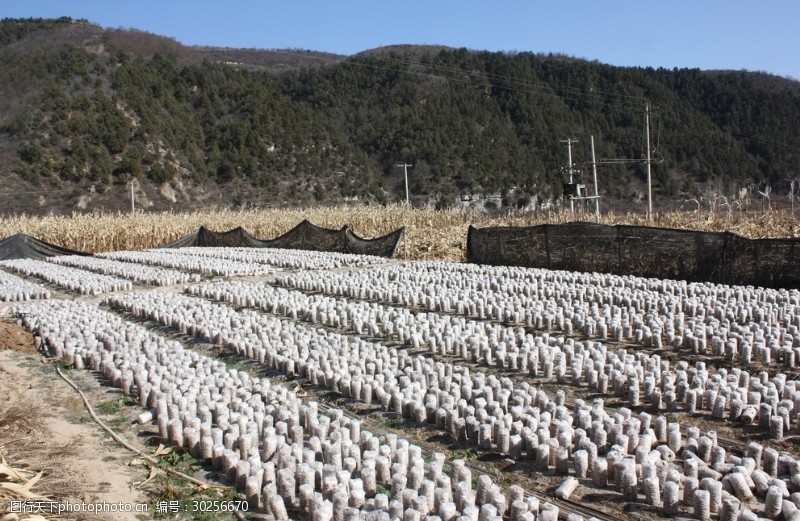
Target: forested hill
x=86, y=114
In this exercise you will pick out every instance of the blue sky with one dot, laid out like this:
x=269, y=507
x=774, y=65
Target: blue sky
x=708, y=34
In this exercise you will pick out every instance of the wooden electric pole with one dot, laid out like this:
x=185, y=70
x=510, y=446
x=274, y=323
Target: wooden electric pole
x=649, y=178
x=405, y=173
x=594, y=176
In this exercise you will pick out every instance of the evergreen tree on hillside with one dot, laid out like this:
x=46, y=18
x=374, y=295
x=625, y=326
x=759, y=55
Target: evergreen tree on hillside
x=471, y=122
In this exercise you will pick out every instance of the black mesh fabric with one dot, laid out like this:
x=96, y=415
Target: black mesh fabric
x=304, y=236
x=208, y=238
x=671, y=254
x=772, y=263
x=642, y=251
x=383, y=246
x=508, y=246
x=307, y=236
x=21, y=246
x=582, y=247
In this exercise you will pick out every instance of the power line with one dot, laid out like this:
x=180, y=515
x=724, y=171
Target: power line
x=543, y=87
x=512, y=84
x=53, y=191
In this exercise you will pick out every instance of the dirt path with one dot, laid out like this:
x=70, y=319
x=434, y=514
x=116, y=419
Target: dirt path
x=47, y=428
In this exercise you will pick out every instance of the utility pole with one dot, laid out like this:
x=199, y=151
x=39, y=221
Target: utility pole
x=405, y=173
x=649, y=178
x=594, y=176
x=133, y=206
x=569, y=143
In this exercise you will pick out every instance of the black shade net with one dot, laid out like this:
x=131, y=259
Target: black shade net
x=641, y=251
x=21, y=246
x=304, y=236
x=204, y=237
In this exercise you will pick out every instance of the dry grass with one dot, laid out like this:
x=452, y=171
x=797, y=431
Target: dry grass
x=430, y=234
x=31, y=467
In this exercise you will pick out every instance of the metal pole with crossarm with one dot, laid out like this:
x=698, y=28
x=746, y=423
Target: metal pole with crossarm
x=405, y=173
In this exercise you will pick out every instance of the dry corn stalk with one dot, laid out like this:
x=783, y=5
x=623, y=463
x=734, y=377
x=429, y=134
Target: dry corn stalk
x=430, y=234
x=20, y=441
x=17, y=484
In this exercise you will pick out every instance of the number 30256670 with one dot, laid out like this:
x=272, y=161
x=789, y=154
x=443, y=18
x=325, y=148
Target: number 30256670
x=219, y=506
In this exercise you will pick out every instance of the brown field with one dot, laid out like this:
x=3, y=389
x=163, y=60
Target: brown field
x=430, y=234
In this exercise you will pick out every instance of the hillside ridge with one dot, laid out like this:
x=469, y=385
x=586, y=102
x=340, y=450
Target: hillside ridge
x=90, y=115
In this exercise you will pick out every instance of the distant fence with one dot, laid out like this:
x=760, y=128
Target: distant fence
x=642, y=251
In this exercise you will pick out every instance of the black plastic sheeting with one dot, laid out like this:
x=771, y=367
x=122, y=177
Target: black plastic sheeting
x=663, y=253
x=304, y=236
x=21, y=246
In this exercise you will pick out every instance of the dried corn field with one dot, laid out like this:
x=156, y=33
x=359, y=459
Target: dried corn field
x=430, y=234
